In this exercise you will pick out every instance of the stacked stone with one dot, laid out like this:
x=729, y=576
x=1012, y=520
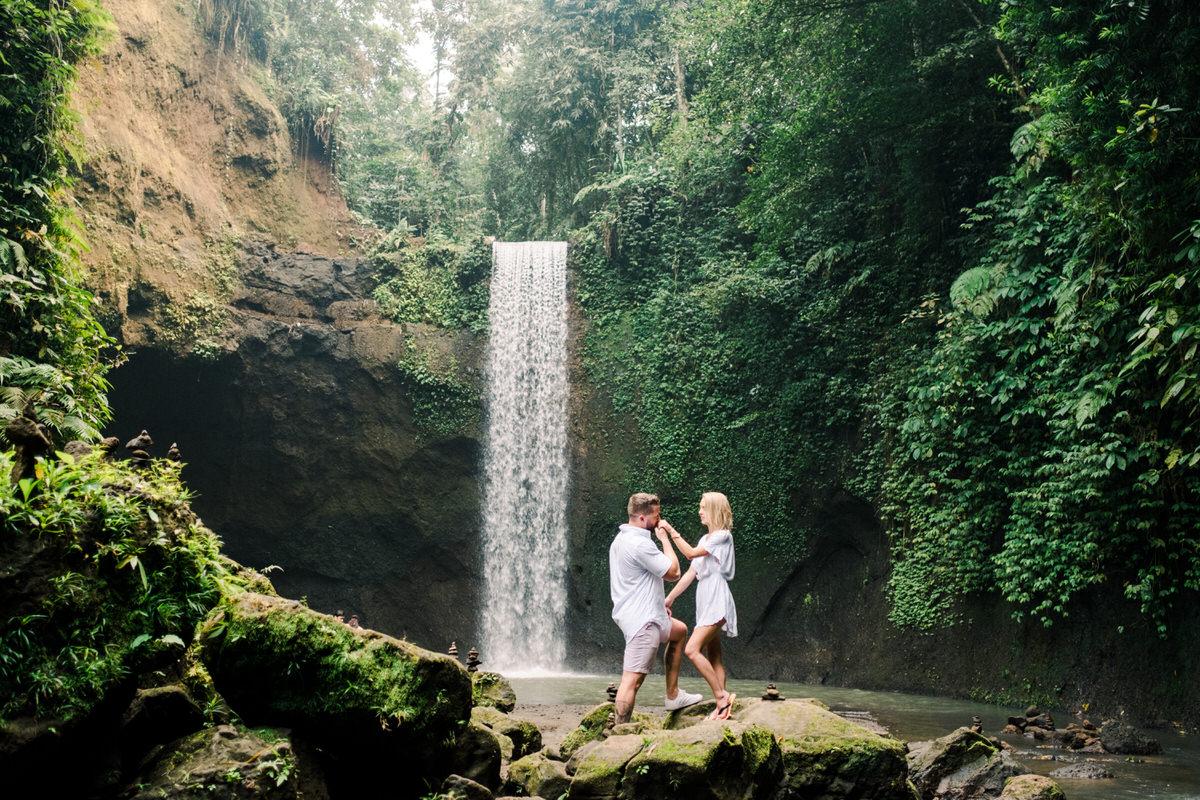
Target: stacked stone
x=1034, y=725
x=1083, y=737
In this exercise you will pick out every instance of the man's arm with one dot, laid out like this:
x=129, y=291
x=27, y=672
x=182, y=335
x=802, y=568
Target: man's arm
x=665, y=538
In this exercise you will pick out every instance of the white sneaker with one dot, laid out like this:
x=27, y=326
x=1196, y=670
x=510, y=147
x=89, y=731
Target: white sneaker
x=683, y=700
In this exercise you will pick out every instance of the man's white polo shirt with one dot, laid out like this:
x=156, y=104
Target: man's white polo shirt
x=635, y=579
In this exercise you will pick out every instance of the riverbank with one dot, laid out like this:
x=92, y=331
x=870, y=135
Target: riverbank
x=555, y=705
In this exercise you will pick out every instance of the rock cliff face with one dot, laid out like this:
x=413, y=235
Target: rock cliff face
x=300, y=437
x=226, y=267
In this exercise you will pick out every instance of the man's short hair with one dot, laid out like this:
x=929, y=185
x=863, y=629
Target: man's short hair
x=642, y=503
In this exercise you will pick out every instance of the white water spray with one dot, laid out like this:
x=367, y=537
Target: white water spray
x=525, y=459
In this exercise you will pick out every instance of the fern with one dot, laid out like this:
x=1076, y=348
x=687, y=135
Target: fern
x=972, y=291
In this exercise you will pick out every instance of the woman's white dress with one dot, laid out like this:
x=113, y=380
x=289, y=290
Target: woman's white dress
x=714, y=601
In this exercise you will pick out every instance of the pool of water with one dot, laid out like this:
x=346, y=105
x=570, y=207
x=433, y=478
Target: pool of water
x=1173, y=775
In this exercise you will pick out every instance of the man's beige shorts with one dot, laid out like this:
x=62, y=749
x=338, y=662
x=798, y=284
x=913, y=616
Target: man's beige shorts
x=642, y=648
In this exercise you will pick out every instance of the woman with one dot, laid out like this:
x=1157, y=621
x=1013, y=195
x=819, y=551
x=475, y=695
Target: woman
x=712, y=564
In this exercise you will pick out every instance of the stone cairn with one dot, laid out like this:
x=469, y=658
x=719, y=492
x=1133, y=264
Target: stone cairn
x=1039, y=726
x=772, y=693
x=138, y=457
x=611, y=722
x=454, y=650
x=473, y=661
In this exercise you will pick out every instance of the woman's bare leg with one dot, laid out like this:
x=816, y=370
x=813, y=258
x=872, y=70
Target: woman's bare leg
x=702, y=637
x=714, y=658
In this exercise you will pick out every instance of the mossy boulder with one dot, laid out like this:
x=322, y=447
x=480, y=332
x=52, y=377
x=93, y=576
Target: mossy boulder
x=537, y=775
x=961, y=764
x=599, y=774
x=358, y=694
x=591, y=728
x=1031, y=787
x=792, y=749
x=493, y=690
x=225, y=762
x=477, y=755
x=703, y=762
x=526, y=737
x=827, y=756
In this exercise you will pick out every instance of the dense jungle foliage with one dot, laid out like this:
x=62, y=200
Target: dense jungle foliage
x=50, y=341
x=939, y=254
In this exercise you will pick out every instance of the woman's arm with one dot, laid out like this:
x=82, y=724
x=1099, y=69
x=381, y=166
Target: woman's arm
x=678, y=540
x=682, y=586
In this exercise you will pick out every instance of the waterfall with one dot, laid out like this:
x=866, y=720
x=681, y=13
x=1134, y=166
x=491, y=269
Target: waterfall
x=525, y=459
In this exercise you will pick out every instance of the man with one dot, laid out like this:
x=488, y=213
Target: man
x=636, y=570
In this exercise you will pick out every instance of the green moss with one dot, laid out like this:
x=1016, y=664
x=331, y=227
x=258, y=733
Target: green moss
x=278, y=659
x=591, y=727
x=443, y=404
x=492, y=690
x=120, y=572
x=758, y=745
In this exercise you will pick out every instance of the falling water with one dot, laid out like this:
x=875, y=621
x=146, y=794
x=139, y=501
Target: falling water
x=525, y=459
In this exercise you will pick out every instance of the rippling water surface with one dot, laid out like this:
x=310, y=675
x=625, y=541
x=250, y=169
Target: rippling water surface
x=1174, y=775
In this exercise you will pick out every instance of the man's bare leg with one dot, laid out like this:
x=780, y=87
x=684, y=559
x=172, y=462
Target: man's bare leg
x=627, y=694
x=673, y=656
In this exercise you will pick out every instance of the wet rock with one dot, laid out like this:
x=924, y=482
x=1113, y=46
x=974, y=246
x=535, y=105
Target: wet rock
x=598, y=776
x=591, y=728
x=526, y=738
x=963, y=764
x=360, y=696
x=1086, y=770
x=139, y=442
x=826, y=756
x=791, y=748
x=465, y=789
x=157, y=716
x=1043, y=721
x=492, y=689
x=1031, y=787
x=537, y=775
x=721, y=762
x=77, y=449
x=224, y=762
x=1123, y=738
x=478, y=753
x=30, y=440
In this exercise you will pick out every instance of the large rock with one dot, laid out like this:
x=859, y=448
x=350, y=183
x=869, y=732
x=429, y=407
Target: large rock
x=156, y=716
x=599, y=774
x=226, y=762
x=591, y=728
x=1123, y=738
x=789, y=749
x=478, y=752
x=537, y=775
x=827, y=756
x=1084, y=770
x=719, y=761
x=526, y=738
x=492, y=689
x=1031, y=787
x=962, y=764
x=360, y=696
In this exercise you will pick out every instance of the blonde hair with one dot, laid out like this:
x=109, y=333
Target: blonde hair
x=716, y=508
x=642, y=503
